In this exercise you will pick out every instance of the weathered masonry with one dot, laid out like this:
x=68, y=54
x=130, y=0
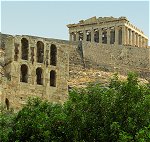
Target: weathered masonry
x=39, y=67
x=108, y=30
x=32, y=66
x=112, y=44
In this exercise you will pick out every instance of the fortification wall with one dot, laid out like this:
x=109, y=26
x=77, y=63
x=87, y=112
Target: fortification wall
x=117, y=58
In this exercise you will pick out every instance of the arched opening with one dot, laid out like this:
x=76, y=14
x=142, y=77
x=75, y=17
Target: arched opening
x=53, y=78
x=40, y=52
x=39, y=78
x=24, y=48
x=53, y=55
x=7, y=103
x=24, y=73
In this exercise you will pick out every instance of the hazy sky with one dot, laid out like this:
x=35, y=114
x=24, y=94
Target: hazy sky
x=49, y=18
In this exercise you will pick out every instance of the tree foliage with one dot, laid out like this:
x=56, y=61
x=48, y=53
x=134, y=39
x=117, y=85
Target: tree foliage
x=6, y=123
x=117, y=113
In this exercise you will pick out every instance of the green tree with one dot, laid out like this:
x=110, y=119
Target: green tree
x=38, y=121
x=119, y=112
x=6, y=122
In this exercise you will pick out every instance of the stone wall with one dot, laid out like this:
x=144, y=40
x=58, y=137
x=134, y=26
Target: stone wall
x=72, y=57
x=17, y=92
x=112, y=58
x=117, y=58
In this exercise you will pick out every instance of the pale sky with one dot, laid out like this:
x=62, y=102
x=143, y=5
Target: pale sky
x=49, y=18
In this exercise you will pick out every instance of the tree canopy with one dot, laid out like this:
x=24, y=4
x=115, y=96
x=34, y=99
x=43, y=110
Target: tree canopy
x=119, y=112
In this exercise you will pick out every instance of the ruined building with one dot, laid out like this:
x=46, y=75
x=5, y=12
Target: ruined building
x=34, y=66
x=112, y=44
x=108, y=30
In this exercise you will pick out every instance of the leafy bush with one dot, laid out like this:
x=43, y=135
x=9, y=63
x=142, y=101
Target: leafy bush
x=117, y=113
x=38, y=121
x=6, y=122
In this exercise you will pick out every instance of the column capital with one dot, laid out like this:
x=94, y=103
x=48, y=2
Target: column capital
x=116, y=27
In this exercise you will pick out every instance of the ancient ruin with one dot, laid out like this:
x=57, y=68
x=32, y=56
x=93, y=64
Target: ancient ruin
x=39, y=67
x=108, y=30
x=112, y=44
x=32, y=66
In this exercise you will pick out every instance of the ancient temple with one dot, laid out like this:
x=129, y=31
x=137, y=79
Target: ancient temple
x=108, y=30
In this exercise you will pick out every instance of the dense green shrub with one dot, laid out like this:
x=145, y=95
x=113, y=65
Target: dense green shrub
x=39, y=121
x=6, y=123
x=117, y=113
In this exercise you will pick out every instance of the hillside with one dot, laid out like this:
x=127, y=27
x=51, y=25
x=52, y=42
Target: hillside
x=80, y=77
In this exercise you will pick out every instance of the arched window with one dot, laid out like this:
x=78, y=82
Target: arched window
x=53, y=78
x=40, y=52
x=24, y=73
x=7, y=103
x=24, y=48
x=53, y=55
x=39, y=78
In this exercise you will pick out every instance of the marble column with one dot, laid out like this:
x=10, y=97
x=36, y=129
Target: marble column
x=143, y=40
x=146, y=43
x=133, y=38
x=108, y=36
x=84, y=35
x=70, y=36
x=116, y=36
x=100, y=35
x=137, y=38
x=140, y=41
x=77, y=36
x=123, y=35
x=130, y=37
x=127, y=36
x=74, y=36
x=92, y=35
